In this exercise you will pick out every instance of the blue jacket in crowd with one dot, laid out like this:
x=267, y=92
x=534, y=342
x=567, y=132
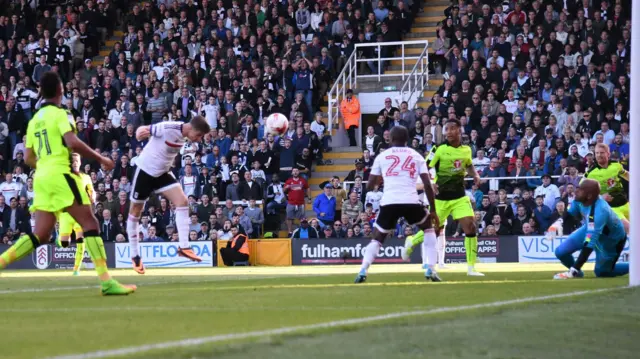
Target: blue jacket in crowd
x=326, y=205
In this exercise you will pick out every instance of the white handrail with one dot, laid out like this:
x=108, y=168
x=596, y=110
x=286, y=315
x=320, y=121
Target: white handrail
x=348, y=77
x=419, y=76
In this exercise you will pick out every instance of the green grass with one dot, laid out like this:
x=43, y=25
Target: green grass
x=175, y=305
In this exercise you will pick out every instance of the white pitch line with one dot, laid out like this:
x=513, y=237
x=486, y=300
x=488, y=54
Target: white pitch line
x=333, y=324
x=80, y=287
x=187, y=309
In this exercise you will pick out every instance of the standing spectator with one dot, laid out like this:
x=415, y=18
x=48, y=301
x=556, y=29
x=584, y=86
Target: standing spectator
x=10, y=188
x=296, y=189
x=350, y=109
x=549, y=192
x=109, y=228
x=542, y=213
x=324, y=206
x=256, y=216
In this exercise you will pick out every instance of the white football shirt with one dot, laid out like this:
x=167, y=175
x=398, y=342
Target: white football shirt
x=165, y=143
x=400, y=168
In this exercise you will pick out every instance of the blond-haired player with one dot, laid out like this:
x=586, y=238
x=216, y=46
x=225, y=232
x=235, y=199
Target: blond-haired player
x=68, y=224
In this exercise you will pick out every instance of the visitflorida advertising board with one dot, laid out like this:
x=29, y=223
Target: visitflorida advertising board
x=165, y=255
x=539, y=249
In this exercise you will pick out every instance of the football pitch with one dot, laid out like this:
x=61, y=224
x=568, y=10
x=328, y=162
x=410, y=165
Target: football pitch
x=516, y=311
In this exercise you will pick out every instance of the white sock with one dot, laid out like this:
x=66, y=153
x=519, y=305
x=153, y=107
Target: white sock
x=370, y=254
x=182, y=224
x=429, y=248
x=132, y=231
x=442, y=244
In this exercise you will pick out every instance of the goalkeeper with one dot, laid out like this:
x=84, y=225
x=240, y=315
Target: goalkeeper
x=602, y=231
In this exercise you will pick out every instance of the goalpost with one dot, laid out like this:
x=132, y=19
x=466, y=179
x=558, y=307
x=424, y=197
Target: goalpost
x=634, y=119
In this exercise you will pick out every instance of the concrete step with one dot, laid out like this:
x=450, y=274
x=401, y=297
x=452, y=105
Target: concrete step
x=421, y=29
x=429, y=8
x=345, y=161
x=423, y=19
x=347, y=149
x=342, y=156
x=334, y=168
x=320, y=177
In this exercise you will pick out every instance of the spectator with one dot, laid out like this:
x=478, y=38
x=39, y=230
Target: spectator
x=256, y=216
x=350, y=109
x=518, y=222
x=352, y=207
x=296, y=189
x=324, y=206
x=109, y=229
x=275, y=195
x=237, y=249
x=542, y=213
x=549, y=192
x=373, y=198
x=305, y=231
x=249, y=189
x=151, y=237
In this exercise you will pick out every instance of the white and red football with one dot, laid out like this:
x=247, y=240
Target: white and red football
x=277, y=124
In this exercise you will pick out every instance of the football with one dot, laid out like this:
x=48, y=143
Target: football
x=277, y=124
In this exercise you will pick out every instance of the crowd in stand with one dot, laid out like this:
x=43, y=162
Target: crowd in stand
x=232, y=61
x=536, y=85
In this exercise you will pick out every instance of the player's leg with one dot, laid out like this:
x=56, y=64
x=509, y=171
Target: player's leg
x=442, y=211
x=573, y=243
x=420, y=217
x=606, y=262
x=52, y=194
x=175, y=194
x=441, y=246
x=66, y=226
x=27, y=243
x=79, y=248
x=623, y=214
x=133, y=228
x=81, y=212
x=462, y=211
x=385, y=223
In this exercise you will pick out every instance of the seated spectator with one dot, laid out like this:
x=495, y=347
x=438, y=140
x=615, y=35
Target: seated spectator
x=305, y=231
x=151, y=236
x=500, y=227
x=352, y=208
x=521, y=218
x=237, y=249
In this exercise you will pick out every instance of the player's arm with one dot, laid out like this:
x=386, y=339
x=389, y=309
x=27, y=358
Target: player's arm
x=471, y=171
x=431, y=197
x=624, y=174
x=143, y=132
x=74, y=143
x=30, y=158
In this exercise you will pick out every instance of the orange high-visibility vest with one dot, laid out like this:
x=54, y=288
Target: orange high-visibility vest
x=245, y=246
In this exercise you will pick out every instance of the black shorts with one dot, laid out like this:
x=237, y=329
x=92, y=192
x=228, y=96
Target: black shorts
x=144, y=184
x=388, y=216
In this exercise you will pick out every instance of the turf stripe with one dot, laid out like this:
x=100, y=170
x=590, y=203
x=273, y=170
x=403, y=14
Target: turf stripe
x=333, y=324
